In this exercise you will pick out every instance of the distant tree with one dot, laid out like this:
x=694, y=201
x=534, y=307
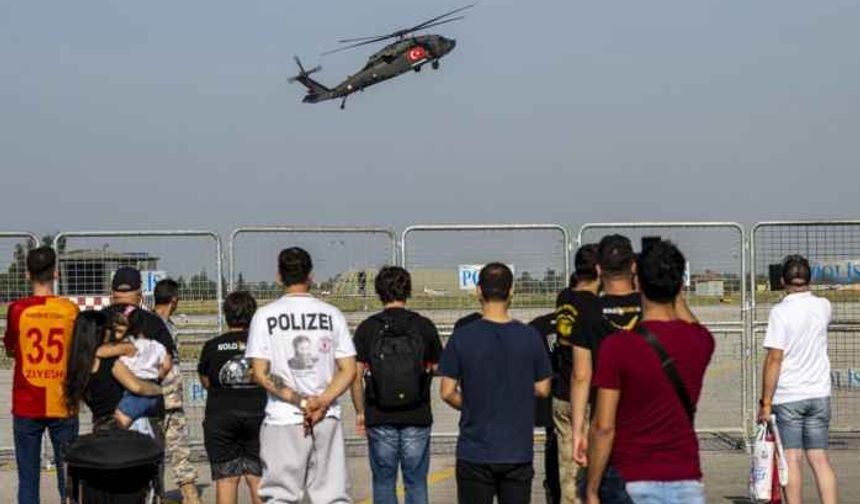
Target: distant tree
x=525, y=283
x=552, y=281
x=200, y=286
x=240, y=282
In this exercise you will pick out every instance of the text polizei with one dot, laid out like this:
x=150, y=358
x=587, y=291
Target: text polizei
x=300, y=322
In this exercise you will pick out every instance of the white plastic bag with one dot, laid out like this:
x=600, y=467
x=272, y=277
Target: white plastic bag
x=761, y=465
x=781, y=462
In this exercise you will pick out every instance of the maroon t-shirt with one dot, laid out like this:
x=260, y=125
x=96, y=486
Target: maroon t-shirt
x=654, y=440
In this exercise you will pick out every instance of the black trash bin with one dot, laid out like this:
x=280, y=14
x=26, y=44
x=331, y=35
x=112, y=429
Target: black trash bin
x=114, y=467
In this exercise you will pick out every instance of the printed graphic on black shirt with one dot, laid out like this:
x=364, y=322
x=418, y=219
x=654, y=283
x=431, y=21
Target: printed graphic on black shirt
x=622, y=312
x=236, y=372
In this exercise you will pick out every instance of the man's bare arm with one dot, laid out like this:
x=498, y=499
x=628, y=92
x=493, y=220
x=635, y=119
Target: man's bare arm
x=580, y=388
x=543, y=388
x=204, y=380
x=273, y=384
x=770, y=376
x=682, y=309
x=450, y=392
x=602, y=437
x=357, y=391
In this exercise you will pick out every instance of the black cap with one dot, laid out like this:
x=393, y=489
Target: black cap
x=126, y=279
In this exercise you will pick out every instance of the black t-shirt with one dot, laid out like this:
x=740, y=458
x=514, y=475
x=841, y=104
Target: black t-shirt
x=545, y=326
x=231, y=387
x=103, y=392
x=149, y=325
x=364, y=336
x=618, y=313
x=577, y=315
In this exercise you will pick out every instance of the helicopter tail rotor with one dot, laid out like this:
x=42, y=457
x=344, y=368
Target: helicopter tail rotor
x=303, y=74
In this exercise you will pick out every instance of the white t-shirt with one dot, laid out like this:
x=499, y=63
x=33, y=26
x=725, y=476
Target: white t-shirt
x=301, y=337
x=798, y=327
x=146, y=363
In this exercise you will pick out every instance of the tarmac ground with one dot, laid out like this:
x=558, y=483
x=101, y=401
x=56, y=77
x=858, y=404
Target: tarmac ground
x=725, y=479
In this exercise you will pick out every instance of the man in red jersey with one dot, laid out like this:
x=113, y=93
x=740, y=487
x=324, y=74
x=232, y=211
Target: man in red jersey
x=38, y=336
x=643, y=439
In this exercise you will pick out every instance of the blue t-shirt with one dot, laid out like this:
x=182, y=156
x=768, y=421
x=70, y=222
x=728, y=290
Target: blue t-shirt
x=497, y=366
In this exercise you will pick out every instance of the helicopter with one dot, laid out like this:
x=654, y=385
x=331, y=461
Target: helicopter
x=405, y=54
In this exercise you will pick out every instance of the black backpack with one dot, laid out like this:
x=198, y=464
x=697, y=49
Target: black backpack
x=397, y=379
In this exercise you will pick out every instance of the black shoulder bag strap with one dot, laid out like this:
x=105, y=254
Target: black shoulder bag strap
x=669, y=368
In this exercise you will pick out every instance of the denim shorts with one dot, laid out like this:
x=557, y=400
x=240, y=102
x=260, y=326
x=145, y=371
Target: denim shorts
x=667, y=492
x=804, y=425
x=135, y=406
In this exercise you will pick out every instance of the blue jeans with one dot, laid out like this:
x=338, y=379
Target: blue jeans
x=407, y=448
x=667, y=492
x=28, y=452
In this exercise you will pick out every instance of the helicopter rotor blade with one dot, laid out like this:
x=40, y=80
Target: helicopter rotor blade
x=436, y=21
x=431, y=25
x=437, y=18
x=366, y=42
x=359, y=39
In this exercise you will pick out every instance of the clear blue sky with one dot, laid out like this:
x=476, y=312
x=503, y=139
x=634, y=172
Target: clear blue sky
x=119, y=114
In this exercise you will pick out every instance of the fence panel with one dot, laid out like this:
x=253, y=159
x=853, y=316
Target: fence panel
x=438, y=256
x=833, y=250
x=87, y=260
x=345, y=259
x=13, y=285
x=717, y=295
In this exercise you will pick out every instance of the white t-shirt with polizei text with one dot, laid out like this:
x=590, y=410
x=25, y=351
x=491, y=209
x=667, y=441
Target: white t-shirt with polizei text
x=301, y=337
x=798, y=326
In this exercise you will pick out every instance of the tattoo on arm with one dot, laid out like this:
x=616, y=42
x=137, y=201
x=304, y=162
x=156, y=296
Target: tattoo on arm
x=276, y=380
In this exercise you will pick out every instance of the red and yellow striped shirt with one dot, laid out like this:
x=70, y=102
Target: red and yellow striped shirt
x=39, y=334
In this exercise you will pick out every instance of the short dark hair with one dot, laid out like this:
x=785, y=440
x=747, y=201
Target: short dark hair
x=41, y=263
x=239, y=308
x=585, y=263
x=166, y=290
x=615, y=254
x=294, y=266
x=660, y=269
x=298, y=340
x=796, y=271
x=495, y=281
x=393, y=283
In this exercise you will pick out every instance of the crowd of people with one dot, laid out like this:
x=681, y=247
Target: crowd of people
x=615, y=373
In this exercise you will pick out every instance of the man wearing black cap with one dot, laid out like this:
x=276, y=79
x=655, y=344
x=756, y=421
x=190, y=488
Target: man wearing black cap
x=126, y=298
x=796, y=382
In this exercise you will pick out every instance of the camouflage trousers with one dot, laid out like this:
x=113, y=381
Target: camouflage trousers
x=562, y=418
x=176, y=448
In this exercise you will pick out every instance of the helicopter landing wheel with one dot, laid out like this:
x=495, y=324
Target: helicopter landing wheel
x=417, y=69
x=435, y=65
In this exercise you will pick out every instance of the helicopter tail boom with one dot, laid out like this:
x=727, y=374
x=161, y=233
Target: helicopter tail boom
x=316, y=91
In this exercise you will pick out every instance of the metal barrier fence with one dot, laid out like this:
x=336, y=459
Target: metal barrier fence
x=13, y=285
x=87, y=260
x=346, y=260
x=833, y=250
x=729, y=291
x=444, y=260
x=716, y=293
